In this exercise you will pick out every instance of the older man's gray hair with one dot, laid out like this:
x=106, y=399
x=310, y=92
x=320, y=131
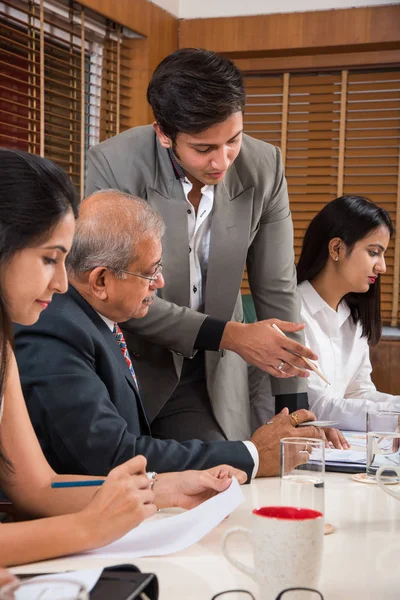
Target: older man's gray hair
x=109, y=228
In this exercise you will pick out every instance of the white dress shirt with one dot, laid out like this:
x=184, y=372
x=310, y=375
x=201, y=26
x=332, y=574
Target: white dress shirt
x=199, y=230
x=343, y=357
x=110, y=324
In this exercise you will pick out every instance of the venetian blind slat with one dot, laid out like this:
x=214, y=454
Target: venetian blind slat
x=374, y=132
x=313, y=131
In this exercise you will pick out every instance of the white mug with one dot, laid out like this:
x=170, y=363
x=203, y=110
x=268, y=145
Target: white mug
x=287, y=545
x=383, y=484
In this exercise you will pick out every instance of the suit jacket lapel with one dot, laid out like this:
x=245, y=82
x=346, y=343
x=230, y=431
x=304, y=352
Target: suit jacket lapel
x=111, y=342
x=230, y=231
x=167, y=196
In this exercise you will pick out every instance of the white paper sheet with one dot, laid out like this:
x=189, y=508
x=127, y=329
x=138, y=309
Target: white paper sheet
x=87, y=578
x=357, y=453
x=345, y=456
x=174, y=533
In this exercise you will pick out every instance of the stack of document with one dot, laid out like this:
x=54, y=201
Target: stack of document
x=353, y=460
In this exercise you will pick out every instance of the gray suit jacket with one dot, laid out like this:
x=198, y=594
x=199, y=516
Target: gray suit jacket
x=251, y=224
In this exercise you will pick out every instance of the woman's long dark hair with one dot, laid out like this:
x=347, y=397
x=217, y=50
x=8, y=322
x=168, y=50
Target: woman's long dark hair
x=34, y=195
x=349, y=218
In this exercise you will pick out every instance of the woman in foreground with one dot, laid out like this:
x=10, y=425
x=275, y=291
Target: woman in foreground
x=338, y=277
x=38, y=207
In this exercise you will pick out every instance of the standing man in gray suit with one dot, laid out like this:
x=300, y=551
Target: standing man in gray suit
x=224, y=201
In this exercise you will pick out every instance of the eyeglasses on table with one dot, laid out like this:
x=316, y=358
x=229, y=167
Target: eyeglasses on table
x=294, y=593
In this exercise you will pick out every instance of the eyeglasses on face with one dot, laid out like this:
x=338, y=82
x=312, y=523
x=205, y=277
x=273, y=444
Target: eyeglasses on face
x=153, y=277
x=295, y=593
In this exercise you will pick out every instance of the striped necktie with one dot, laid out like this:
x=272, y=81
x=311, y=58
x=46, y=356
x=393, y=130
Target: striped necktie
x=119, y=336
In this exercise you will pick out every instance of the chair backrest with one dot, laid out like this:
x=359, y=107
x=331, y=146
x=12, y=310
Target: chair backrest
x=249, y=312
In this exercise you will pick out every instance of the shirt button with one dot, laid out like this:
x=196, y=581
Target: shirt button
x=194, y=289
x=189, y=212
x=190, y=249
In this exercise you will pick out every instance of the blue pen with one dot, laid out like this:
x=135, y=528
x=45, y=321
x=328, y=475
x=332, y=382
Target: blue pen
x=70, y=484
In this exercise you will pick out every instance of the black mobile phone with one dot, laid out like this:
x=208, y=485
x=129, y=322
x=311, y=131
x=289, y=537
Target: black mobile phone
x=125, y=582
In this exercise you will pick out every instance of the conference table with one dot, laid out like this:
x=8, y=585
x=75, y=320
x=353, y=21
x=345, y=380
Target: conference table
x=360, y=561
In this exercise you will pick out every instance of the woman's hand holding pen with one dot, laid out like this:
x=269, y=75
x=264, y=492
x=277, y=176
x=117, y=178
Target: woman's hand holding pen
x=120, y=504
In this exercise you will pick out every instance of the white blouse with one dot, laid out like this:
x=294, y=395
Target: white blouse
x=343, y=357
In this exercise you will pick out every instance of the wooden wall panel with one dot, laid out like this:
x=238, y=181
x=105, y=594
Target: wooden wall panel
x=146, y=54
x=145, y=18
x=318, y=61
x=261, y=35
x=385, y=359
x=163, y=35
x=134, y=14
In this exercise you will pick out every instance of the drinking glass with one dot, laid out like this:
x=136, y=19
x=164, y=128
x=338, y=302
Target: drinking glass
x=303, y=473
x=44, y=589
x=383, y=443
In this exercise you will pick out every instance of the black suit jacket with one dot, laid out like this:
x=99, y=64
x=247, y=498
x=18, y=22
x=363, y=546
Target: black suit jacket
x=83, y=402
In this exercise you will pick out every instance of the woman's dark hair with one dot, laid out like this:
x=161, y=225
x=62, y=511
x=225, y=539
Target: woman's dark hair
x=193, y=89
x=349, y=218
x=34, y=195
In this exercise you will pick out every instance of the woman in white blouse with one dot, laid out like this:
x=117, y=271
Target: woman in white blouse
x=338, y=276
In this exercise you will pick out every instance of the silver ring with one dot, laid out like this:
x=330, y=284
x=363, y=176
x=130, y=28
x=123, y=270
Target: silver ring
x=281, y=365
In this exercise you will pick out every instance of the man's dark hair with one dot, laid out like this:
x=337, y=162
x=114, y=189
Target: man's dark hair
x=193, y=89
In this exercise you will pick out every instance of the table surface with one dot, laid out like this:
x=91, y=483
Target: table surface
x=361, y=559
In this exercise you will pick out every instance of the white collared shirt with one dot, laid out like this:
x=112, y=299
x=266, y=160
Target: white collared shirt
x=343, y=357
x=199, y=230
x=110, y=324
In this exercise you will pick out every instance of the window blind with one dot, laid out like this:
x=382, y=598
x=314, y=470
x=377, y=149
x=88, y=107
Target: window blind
x=339, y=133
x=61, y=85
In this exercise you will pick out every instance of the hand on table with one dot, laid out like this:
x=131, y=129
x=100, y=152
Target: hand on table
x=261, y=345
x=123, y=501
x=336, y=438
x=188, y=489
x=267, y=438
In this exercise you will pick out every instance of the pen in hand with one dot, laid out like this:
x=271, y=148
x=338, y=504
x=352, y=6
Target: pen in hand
x=306, y=360
x=71, y=484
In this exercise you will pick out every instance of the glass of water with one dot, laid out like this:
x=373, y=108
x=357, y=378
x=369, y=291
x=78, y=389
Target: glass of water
x=44, y=589
x=383, y=443
x=303, y=473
